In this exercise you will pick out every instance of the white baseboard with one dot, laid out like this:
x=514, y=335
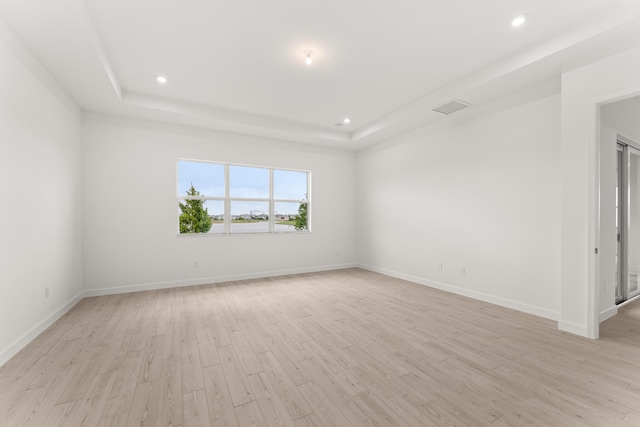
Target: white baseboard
x=515, y=305
x=209, y=280
x=608, y=313
x=573, y=328
x=21, y=342
x=25, y=339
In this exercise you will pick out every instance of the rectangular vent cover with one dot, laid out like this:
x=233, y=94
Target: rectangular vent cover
x=451, y=107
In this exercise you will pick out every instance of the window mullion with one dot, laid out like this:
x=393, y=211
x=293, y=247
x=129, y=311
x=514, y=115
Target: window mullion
x=227, y=201
x=271, y=203
x=308, y=197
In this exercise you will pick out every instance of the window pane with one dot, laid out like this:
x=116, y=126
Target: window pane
x=290, y=185
x=201, y=216
x=287, y=217
x=206, y=178
x=215, y=208
x=248, y=182
x=249, y=217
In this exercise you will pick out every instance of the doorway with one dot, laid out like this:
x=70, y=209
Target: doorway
x=628, y=222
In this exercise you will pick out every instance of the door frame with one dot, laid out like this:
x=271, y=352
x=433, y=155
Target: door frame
x=593, y=196
x=620, y=218
x=626, y=147
x=632, y=148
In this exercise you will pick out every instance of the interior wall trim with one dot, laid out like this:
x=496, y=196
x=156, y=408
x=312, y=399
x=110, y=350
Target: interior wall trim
x=504, y=302
x=20, y=343
x=152, y=286
x=608, y=313
x=25, y=339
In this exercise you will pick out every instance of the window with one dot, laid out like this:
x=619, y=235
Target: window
x=290, y=195
x=218, y=198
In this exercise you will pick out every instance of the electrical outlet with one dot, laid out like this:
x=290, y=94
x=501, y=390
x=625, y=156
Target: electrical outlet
x=440, y=267
x=46, y=292
x=463, y=271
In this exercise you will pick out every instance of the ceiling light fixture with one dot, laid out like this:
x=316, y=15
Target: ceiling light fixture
x=161, y=79
x=347, y=120
x=518, y=20
x=307, y=56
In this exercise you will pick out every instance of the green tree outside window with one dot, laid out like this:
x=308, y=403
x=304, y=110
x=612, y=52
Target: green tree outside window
x=195, y=216
x=301, y=220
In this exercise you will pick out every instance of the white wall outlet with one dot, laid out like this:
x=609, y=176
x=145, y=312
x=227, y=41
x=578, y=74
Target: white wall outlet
x=440, y=267
x=463, y=271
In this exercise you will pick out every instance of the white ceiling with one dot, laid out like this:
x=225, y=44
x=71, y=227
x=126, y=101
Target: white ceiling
x=239, y=66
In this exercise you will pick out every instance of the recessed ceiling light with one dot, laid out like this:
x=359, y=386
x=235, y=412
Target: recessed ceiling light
x=161, y=79
x=347, y=120
x=307, y=56
x=518, y=20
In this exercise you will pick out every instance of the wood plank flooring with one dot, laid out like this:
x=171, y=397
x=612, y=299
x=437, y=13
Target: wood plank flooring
x=341, y=348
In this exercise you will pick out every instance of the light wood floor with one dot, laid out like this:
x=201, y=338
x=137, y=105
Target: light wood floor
x=342, y=348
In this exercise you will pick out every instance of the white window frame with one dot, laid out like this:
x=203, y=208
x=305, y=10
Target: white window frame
x=227, y=199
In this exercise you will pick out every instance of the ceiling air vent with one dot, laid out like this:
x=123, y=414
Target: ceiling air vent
x=451, y=107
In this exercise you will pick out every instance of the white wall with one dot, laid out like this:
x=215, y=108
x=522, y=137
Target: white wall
x=624, y=117
x=481, y=194
x=617, y=118
x=582, y=89
x=40, y=174
x=130, y=208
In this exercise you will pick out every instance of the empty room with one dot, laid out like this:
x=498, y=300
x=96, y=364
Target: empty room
x=293, y=213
